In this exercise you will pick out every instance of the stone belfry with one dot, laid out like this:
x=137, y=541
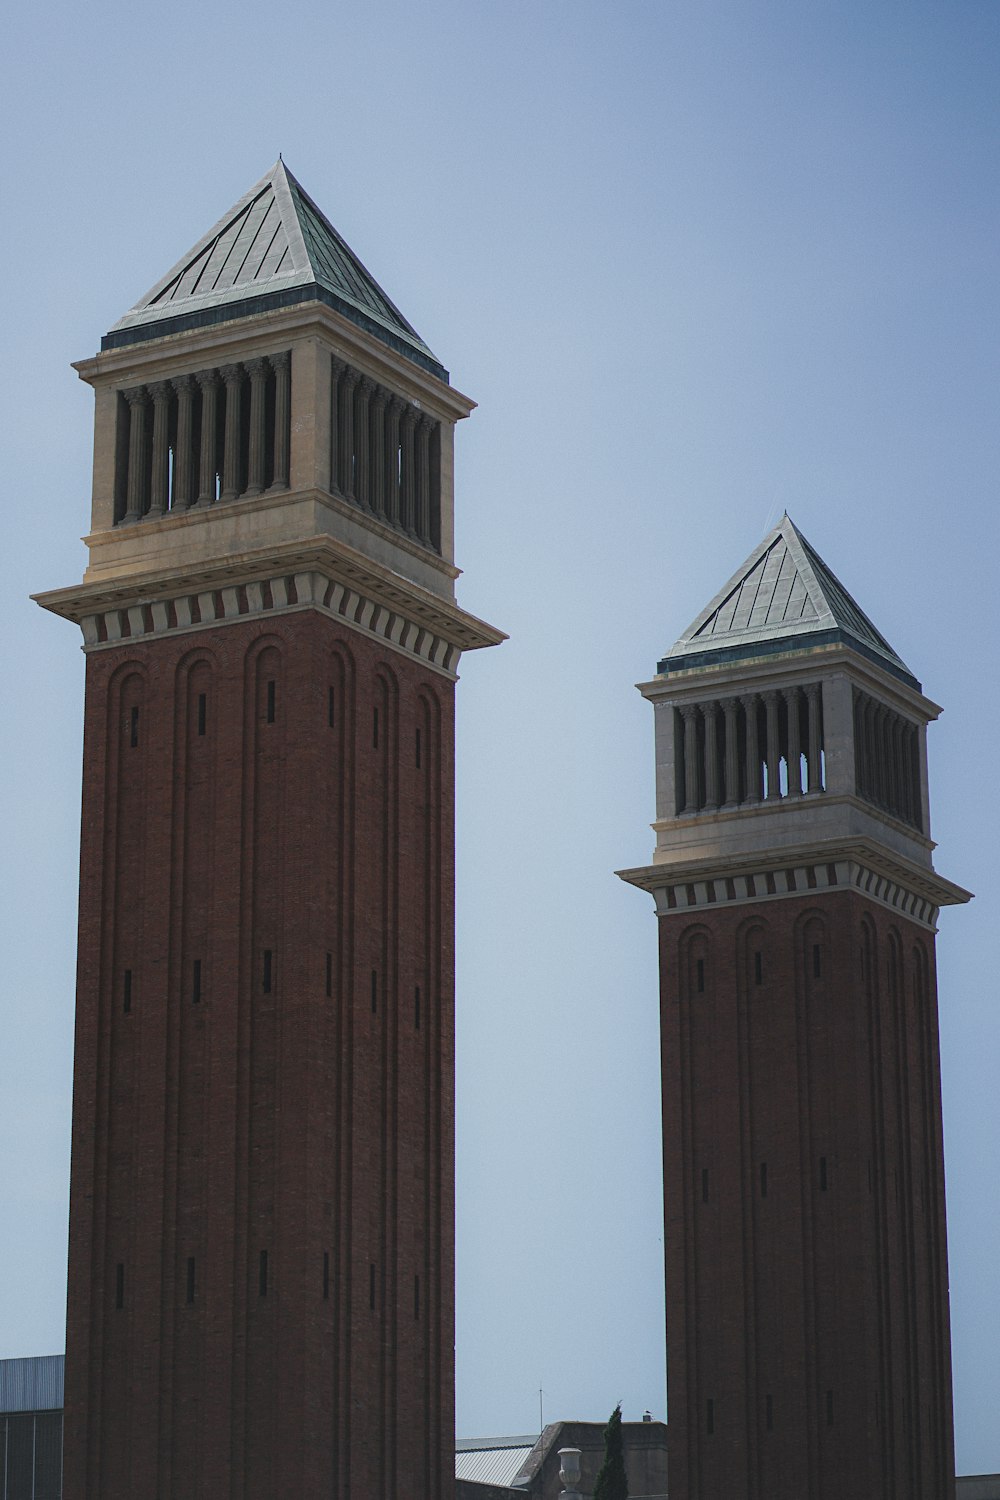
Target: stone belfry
x=261, y=1279
x=806, y=1264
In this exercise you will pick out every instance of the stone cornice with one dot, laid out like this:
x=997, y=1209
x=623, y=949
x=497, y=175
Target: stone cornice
x=861, y=866
x=320, y=574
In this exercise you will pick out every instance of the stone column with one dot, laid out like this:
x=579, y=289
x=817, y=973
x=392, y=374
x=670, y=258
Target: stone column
x=338, y=367
x=407, y=424
x=136, y=496
x=814, y=701
x=423, y=476
x=159, y=488
x=773, y=744
x=345, y=432
x=376, y=433
x=794, y=742
x=690, y=716
x=753, y=786
x=731, y=708
x=233, y=377
x=710, y=714
x=208, y=380
x=184, y=450
x=257, y=370
x=362, y=397
x=393, y=412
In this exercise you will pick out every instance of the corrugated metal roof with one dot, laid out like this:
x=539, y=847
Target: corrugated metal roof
x=783, y=594
x=273, y=244
x=32, y=1384
x=492, y=1460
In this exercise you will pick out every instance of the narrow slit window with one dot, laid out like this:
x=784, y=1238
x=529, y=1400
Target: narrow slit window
x=196, y=982
x=331, y=708
x=190, y=1279
x=817, y=962
x=418, y=749
x=133, y=728
x=758, y=967
x=119, y=1285
x=416, y=1296
x=829, y=1408
x=268, y=977
x=270, y=701
x=127, y=991
x=763, y=1179
x=375, y=728
x=710, y=1416
x=822, y=1174
x=704, y=1184
x=329, y=975
x=262, y=1274
x=374, y=991
x=202, y=712
x=326, y=1275
x=416, y=1008
x=371, y=1286
x=700, y=976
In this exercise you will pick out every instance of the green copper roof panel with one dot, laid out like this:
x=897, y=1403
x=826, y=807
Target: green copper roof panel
x=274, y=248
x=784, y=597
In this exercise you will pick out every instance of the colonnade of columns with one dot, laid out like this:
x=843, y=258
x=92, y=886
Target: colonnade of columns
x=748, y=748
x=218, y=434
x=385, y=455
x=887, y=759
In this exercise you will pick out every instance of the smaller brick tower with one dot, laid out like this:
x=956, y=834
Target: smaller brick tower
x=261, y=1263
x=806, y=1262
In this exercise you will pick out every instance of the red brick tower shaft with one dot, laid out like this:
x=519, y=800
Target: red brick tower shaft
x=805, y=1247
x=261, y=1242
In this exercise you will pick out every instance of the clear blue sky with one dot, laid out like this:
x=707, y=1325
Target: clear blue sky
x=698, y=261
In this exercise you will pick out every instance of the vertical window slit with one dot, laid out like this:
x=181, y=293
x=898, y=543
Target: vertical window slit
x=758, y=967
x=127, y=991
x=119, y=1285
x=270, y=701
x=268, y=975
x=190, y=1279
x=700, y=979
x=326, y=1275
x=418, y=749
x=329, y=975
x=133, y=728
x=262, y=1274
x=202, y=712
x=331, y=711
x=196, y=982
x=817, y=965
x=375, y=728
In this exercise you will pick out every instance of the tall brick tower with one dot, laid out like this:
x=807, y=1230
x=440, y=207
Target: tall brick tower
x=806, y=1270
x=261, y=1276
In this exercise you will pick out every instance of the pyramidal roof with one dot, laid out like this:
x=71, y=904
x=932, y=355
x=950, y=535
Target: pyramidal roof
x=783, y=598
x=273, y=248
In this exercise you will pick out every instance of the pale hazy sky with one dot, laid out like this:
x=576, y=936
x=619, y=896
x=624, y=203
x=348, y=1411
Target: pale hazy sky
x=698, y=261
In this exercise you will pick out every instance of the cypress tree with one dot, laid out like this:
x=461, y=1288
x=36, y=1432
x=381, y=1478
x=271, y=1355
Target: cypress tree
x=612, y=1481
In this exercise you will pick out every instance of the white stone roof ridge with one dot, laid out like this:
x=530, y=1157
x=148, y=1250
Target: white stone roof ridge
x=783, y=593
